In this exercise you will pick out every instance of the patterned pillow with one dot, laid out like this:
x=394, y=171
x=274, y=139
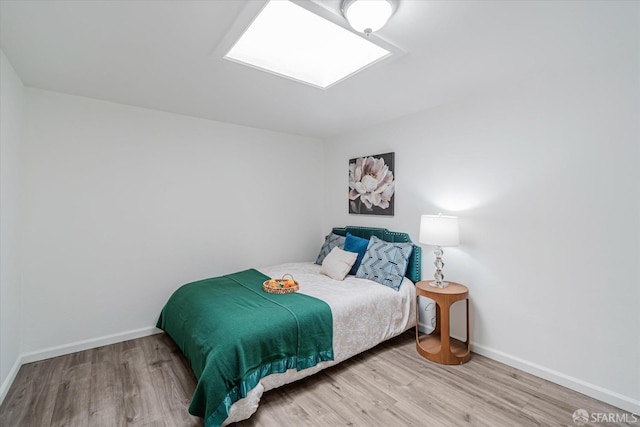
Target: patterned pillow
x=330, y=242
x=385, y=262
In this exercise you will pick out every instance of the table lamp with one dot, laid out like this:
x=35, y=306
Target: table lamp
x=439, y=230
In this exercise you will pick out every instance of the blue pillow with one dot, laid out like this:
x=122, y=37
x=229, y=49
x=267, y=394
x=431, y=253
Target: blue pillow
x=331, y=241
x=385, y=262
x=358, y=245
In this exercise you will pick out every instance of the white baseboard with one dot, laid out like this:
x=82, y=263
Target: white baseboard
x=73, y=347
x=4, y=388
x=608, y=396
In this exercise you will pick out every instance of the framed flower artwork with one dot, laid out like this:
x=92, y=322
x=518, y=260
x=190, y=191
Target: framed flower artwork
x=372, y=185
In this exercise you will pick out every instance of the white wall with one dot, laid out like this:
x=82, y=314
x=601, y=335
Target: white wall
x=122, y=205
x=10, y=148
x=545, y=178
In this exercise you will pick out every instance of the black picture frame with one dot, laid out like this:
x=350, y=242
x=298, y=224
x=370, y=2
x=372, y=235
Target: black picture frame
x=372, y=185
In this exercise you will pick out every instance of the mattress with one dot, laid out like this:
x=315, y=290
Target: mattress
x=365, y=313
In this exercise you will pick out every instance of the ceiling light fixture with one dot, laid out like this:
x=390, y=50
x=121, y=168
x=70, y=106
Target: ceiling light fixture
x=291, y=41
x=367, y=16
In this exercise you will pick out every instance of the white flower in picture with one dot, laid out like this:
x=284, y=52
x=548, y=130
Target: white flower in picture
x=371, y=185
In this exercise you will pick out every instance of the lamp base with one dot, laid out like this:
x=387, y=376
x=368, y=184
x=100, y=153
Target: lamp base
x=438, y=284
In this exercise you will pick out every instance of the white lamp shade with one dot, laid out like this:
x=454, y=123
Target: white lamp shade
x=367, y=15
x=439, y=230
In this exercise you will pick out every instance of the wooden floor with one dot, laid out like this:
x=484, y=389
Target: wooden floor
x=147, y=382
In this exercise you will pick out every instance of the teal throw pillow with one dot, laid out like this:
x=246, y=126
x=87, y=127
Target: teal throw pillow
x=358, y=245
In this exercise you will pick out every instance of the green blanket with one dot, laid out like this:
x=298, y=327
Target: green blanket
x=234, y=334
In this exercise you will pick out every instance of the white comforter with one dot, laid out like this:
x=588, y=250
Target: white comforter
x=365, y=313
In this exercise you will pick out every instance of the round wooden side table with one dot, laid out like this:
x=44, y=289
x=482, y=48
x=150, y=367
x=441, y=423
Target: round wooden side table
x=439, y=346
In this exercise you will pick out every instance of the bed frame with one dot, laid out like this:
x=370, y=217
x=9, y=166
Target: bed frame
x=414, y=269
x=242, y=405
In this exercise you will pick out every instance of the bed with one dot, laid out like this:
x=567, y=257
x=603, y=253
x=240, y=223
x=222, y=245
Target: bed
x=242, y=341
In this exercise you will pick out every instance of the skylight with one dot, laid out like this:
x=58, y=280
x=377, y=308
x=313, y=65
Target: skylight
x=288, y=40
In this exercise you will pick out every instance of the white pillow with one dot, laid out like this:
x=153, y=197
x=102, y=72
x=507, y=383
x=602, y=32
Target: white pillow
x=338, y=263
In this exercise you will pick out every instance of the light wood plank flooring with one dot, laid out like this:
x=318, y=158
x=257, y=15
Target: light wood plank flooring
x=147, y=382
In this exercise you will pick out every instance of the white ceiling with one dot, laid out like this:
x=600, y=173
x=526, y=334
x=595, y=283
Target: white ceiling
x=165, y=55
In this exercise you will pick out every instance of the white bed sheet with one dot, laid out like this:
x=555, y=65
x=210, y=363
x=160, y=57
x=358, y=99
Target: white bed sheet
x=365, y=313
